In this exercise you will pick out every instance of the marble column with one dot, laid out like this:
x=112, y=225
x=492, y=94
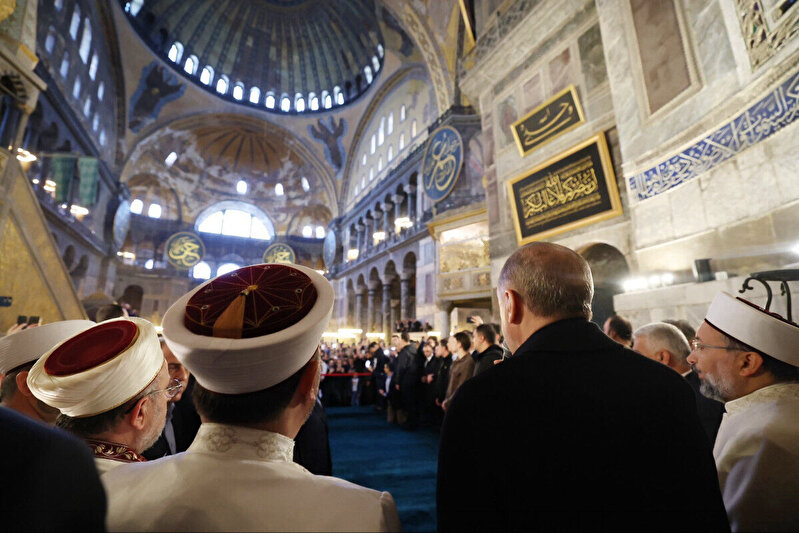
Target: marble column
x=411, y=190
x=370, y=308
x=398, y=205
x=444, y=311
x=360, y=240
x=388, y=326
x=359, y=309
x=405, y=299
x=388, y=226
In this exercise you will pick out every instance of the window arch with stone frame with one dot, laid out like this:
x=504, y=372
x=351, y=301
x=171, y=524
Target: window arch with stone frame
x=310, y=222
x=235, y=218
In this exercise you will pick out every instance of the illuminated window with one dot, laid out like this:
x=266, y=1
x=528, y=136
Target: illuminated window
x=375, y=63
x=390, y=152
x=49, y=43
x=136, y=206
x=135, y=6
x=338, y=96
x=170, y=159
x=222, y=84
x=367, y=72
x=320, y=232
x=87, y=107
x=380, y=50
x=237, y=219
x=64, y=65
x=207, y=75
x=226, y=267
x=363, y=160
x=76, y=88
x=74, y=23
x=373, y=146
x=102, y=138
x=313, y=102
x=85, y=41
x=307, y=232
x=190, y=67
x=299, y=103
x=381, y=132
x=285, y=103
x=327, y=101
x=279, y=189
x=238, y=91
x=149, y=264
x=93, y=67
x=175, y=53
x=201, y=270
x=402, y=113
x=390, y=123
x=236, y=223
x=96, y=121
x=371, y=173
x=255, y=95
x=241, y=187
x=58, y=4
x=270, y=100
x=402, y=141
x=413, y=128
x=154, y=211
x=305, y=185
x=380, y=164
x=100, y=91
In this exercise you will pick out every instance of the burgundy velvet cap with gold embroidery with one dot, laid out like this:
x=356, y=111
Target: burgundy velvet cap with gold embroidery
x=98, y=369
x=251, y=328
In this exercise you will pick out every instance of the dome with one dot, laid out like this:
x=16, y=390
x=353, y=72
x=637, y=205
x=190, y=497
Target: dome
x=282, y=56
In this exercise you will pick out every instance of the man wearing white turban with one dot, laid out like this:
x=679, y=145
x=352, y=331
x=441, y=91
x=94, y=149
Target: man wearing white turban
x=111, y=385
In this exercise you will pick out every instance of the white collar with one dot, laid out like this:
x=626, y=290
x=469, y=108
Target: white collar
x=767, y=394
x=246, y=443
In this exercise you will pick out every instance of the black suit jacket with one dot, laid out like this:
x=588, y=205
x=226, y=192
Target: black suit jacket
x=51, y=483
x=575, y=432
x=312, y=443
x=710, y=411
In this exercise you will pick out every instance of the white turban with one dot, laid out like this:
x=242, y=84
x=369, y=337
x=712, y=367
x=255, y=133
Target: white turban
x=28, y=345
x=98, y=369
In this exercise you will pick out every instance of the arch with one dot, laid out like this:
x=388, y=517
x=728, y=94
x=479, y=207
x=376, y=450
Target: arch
x=207, y=75
x=222, y=84
x=235, y=218
x=191, y=65
x=146, y=190
x=238, y=91
x=269, y=101
x=255, y=95
x=609, y=268
x=299, y=103
x=175, y=53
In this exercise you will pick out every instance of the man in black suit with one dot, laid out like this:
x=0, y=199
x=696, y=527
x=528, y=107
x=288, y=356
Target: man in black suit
x=312, y=443
x=51, y=483
x=406, y=380
x=573, y=431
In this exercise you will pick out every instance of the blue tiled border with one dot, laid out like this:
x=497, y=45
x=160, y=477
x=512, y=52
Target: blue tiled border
x=763, y=119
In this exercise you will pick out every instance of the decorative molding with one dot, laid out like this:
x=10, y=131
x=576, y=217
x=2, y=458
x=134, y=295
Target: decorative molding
x=766, y=117
x=766, y=27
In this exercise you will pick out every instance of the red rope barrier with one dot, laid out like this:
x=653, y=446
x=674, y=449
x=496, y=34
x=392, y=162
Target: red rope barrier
x=333, y=375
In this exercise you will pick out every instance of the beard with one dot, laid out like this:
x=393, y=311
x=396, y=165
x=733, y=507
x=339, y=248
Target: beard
x=715, y=391
x=153, y=432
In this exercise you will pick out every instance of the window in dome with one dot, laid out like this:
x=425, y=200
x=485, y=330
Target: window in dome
x=380, y=50
x=357, y=187
x=390, y=123
x=279, y=189
x=238, y=91
x=299, y=103
x=93, y=66
x=154, y=211
x=96, y=121
x=320, y=232
x=207, y=75
x=87, y=107
x=381, y=132
x=76, y=88
x=259, y=230
x=58, y=4
x=241, y=187
x=380, y=164
x=226, y=268
x=338, y=96
x=136, y=206
x=175, y=52
x=285, y=103
x=170, y=159
x=222, y=84
x=363, y=182
x=270, y=100
x=255, y=95
x=64, y=65
x=374, y=145
x=371, y=174
x=390, y=152
x=307, y=232
x=135, y=6
x=49, y=43
x=367, y=72
x=236, y=223
x=74, y=24
x=191, y=64
x=375, y=63
x=102, y=138
x=363, y=160
x=212, y=223
x=201, y=270
x=327, y=101
x=236, y=219
x=413, y=129
x=305, y=185
x=402, y=113
x=402, y=141
x=85, y=41
x=149, y=264
x=313, y=102
x=100, y=91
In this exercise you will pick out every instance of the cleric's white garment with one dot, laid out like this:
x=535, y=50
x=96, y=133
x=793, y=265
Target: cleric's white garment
x=104, y=465
x=239, y=479
x=757, y=458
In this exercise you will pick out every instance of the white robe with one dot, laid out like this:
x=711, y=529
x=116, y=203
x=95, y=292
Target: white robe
x=104, y=465
x=239, y=479
x=757, y=458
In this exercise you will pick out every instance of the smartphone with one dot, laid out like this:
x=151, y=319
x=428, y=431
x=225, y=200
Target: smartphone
x=470, y=320
x=22, y=319
x=33, y=320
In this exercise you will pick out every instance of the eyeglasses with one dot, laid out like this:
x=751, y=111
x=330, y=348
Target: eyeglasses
x=696, y=345
x=170, y=392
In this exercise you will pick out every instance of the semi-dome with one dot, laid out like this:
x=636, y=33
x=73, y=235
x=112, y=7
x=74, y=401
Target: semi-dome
x=283, y=56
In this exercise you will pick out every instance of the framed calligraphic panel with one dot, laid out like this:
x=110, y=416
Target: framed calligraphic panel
x=184, y=249
x=442, y=162
x=572, y=190
x=548, y=121
x=280, y=253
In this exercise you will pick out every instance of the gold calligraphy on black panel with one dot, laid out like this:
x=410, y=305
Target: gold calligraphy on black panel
x=184, y=250
x=549, y=120
x=570, y=188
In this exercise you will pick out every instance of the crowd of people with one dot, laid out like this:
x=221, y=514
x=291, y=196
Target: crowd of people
x=546, y=421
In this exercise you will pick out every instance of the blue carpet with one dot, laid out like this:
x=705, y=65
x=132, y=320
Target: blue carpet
x=369, y=451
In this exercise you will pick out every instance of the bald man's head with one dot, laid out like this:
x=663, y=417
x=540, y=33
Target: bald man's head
x=552, y=280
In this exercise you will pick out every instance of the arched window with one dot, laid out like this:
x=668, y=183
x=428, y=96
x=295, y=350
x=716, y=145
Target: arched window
x=375, y=63
x=191, y=64
x=96, y=121
x=49, y=43
x=279, y=189
x=149, y=264
x=255, y=95
x=64, y=65
x=381, y=132
x=299, y=103
x=93, y=66
x=380, y=50
x=87, y=107
x=154, y=211
x=136, y=206
x=320, y=232
x=241, y=187
x=338, y=96
x=102, y=138
x=390, y=152
x=367, y=72
x=402, y=113
x=373, y=146
x=285, y=103
x=380, y=164
x=307, y=232
x=390, y=123
x=222, y=84
x=363, y=160
x=327, y=101
x=371, y=174
x=76, y=88
x=313, y=101
x=58, y=4
x=74, y=23
x=270, y=100
x=238, y=91
x=175, y=52
x=100, y=91
x=85, y=41
x=226, y=267
x=201, y=270
x=207, y=75
x=170, y=159
x=134, y=6
x=305, y=185
x=237, y=219
x=402, y=141
x=413, y=129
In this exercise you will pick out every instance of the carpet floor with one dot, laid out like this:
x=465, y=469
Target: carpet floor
x=369, y=451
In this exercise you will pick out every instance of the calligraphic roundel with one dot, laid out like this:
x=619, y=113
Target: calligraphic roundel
x=277, y=297
x=91, y=348
x=442, y=162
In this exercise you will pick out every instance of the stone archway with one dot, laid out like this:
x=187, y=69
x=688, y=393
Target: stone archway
x=609, y=269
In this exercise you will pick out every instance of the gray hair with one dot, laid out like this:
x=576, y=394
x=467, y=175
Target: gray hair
x=553, y=281
x=662, y=336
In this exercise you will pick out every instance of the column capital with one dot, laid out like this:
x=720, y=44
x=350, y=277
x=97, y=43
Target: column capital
x=398, y=198
x=410, y=189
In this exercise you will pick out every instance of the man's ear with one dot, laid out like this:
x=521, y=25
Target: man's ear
x=138, y=414
x=305, y=389
x=513, y=306
x=749, y=363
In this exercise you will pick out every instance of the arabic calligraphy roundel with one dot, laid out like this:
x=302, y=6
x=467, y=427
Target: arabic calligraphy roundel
x=280, y=253
x=184, y=250
x=442, y=162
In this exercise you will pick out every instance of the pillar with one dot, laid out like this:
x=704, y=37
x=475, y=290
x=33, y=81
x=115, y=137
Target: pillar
x=359, y=308
x=411, y=190
x=370, y=307
x=405, y=299
x=388, y=326
x=388, y=227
